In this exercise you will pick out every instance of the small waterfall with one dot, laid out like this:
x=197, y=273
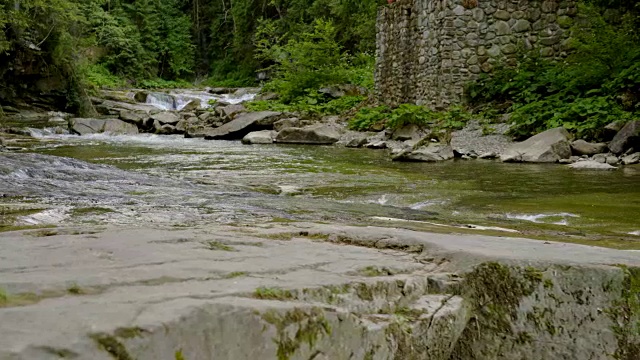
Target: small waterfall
x=162, y=101
x=178, y=99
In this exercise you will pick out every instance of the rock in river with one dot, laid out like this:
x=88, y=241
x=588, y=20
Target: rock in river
x=429, y=153
x=313, y=135
x=591, y=165
x=241, y=126
x=259, y=137
x=547, y=147
x=628, y=137
x=581, y=147
x=83, y=126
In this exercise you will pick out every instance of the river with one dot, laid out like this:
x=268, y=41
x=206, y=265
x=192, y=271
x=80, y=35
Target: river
x=176, y=182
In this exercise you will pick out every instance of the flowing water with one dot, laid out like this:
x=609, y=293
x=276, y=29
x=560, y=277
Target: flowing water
x=173, y=181
x=178, y=99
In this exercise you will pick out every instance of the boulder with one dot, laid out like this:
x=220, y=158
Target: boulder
x=141, y=96
x=242, y=125
x=183, y=125
x=547, y=147
x=357, y=142
x=259, y=137
x=166, y=130
x=166, y=118
x=409, y=132
x=591, y=165
x=82, y=126
x=612, y=129
x=138, y=118
x=427, y=153
x=377, y=144
x=314, y=135
x=192, y=105
x=631, y=159
x=628, y=137
x=488, y=155
x=581, y=147
x=230, y=111
x=286, y=123
x=207, y=116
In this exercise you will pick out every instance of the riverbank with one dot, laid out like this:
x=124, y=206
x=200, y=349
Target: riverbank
x=294, y=291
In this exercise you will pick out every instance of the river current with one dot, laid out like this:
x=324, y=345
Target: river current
x=177, y=182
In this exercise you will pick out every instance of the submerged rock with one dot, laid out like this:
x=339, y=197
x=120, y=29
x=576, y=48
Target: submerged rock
x=547, y=147
x=428, y=153
x=313, y=135
x=82, y=126
x=628, y=137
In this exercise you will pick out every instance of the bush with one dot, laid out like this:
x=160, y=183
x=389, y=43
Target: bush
x=408, y=114
x=313, y=105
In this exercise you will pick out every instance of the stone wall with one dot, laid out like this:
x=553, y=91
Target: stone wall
x=427, y=50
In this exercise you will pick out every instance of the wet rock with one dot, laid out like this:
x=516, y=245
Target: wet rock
x=631, y=159
x=427, y=153
x=242, y=125
x=82, y=126
x=207, y=116
x=286, y=123
x=267, y=96
x=357, y=142
x=547, y=147
x=612, y=160
x=591, y=165
x=139, y=118
x=109, y=107
x=185, y=124
x=221, y=90
x=627, y=137
x=601, y=158
x=141, y=96
x=376, y=144
x=3, y=144
x=581, y=147
x=488, y=155
x=229, y=112
x=259, y=137
x=163, y=129
x=313, y=135
x=166, y=118
x=192, y=105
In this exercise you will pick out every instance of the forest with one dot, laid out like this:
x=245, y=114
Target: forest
x=300, y=46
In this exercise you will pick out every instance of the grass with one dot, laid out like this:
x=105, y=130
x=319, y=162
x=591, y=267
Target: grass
x=215, y=245
x=268, y=293
x=235, y=274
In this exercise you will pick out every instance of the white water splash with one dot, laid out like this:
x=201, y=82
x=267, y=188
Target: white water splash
x=468, y=226
x=46, y=217
x=424, y=204
x=538, y=218
x=177, y=100
x=635, y=233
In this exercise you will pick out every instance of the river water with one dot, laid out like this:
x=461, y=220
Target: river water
x=177, y=182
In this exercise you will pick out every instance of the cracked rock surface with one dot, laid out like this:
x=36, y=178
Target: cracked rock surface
x=309, y=291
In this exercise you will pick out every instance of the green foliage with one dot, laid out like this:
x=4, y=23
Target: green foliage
x=598, y=83
x=408, y=114
x=163, y=84
x=313, y=104
x=98, y=76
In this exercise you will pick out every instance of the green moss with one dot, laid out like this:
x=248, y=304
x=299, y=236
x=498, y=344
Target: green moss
x=75, y=289
x=235, y=274
x=267, y=293
x=310, y=325
x=625, y=315
x=113, y=346
x=374, y=271
x=179, y=356
x=494, y=292
x=129, y=333
x=218, y=246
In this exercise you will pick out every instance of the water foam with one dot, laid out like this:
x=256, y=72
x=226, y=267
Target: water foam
x=538, y=218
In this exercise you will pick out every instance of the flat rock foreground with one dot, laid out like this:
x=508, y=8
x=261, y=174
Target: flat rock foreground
x=312, y=291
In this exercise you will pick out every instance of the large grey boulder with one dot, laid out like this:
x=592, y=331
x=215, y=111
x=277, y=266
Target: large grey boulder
x=286, y=123
x=166, y=117
x=242, y=125
x=139, y=118
x=631, y=159
x=259, y=137
x=192, y=105
x=230, y=111
x=581, y=147
x=628, y=137
x=82, y=126
x=547, y=147
x=313, y=135
x=591, y=165
x=428, y=153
